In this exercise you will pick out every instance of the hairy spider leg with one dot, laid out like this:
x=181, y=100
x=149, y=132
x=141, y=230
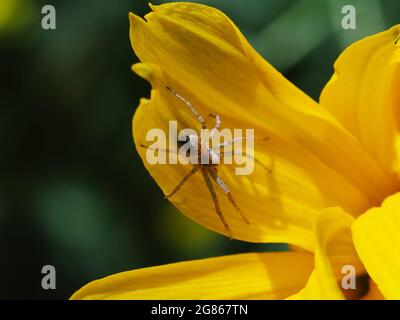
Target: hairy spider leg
x=168, y=151
x=237, y=139
x=182, y=182
x=194, y=111
x=256, y=160
x=153, y=149
x=217, y=126
x=214, y=197
x=244, y=154
x=213, y=173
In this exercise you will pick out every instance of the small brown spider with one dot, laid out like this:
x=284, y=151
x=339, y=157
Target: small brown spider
x=207, y=162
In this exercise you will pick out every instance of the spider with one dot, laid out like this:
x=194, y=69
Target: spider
x=207, y=162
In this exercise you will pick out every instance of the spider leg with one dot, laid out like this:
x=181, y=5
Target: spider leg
x=237, y=139
x=181, y=183
x=168, y=151
x=224, y=187
x=153, y=149
x=190, y=106
x=217, y=126
x=214, y=197
x=245, y=154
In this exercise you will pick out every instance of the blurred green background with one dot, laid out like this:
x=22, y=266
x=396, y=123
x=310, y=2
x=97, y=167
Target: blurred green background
x=73, y=191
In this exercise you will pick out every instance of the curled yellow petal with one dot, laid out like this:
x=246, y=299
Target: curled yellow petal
x=242, y=276
x=364, y=94
x=314, y=162
x=376, y=236
x=333, y=254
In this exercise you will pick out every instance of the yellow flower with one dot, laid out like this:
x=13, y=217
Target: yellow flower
x=332, y=164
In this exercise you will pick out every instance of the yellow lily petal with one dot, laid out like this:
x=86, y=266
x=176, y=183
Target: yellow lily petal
x=373, y=293
x=315, y=163
x=334, y=251
x=364, y=94
x=376, y=236
x=242, y=276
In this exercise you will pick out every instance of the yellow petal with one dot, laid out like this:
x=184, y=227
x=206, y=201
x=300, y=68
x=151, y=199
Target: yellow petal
x=315, y=163
x=373, y=293
x=364, y=94
x=376, y=236
x=333, y=252
x=242, y=276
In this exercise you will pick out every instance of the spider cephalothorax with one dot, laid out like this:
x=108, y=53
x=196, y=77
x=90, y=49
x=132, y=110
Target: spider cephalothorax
x=198, y=150
x=206, y=159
